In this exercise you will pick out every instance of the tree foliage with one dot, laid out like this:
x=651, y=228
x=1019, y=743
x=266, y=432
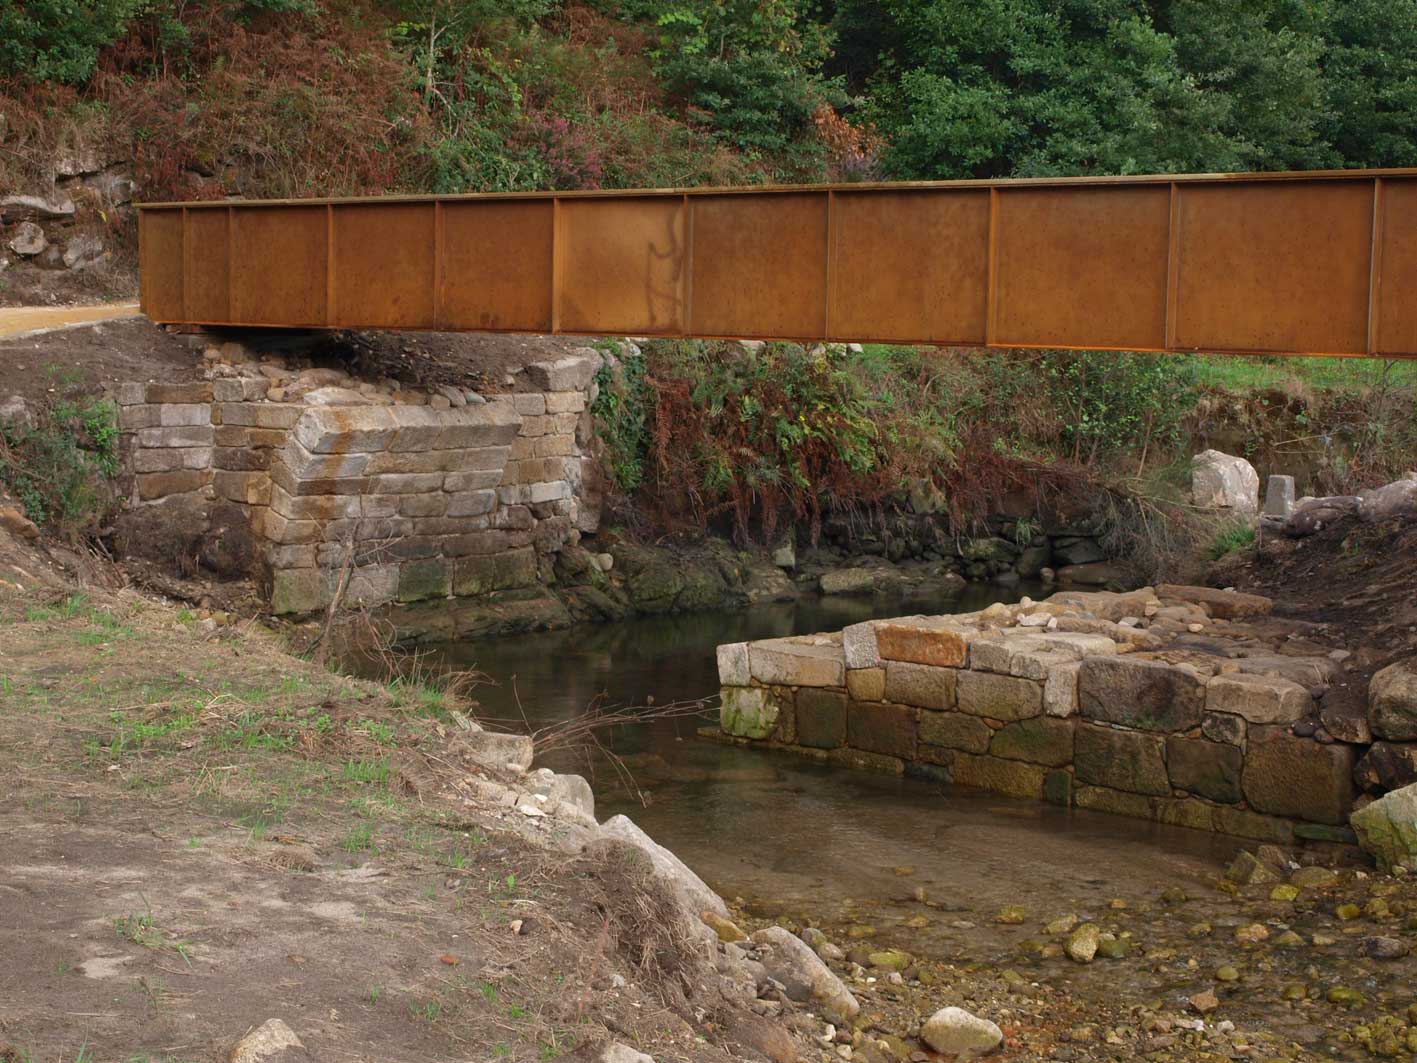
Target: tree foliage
x=58, y=40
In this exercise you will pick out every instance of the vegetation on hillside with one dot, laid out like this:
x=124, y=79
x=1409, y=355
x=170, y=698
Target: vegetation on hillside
x=709, y=434
x=293, y=97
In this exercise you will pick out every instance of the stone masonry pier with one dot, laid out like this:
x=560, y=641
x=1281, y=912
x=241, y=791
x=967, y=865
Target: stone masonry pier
x=406, y=495
x=1183, y=705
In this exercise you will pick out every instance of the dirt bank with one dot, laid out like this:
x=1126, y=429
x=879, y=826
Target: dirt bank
x=202, y=833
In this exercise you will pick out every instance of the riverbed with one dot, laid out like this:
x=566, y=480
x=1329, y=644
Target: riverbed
x=964, y=881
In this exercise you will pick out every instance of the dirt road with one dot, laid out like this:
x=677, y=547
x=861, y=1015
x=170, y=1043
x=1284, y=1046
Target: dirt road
x=23, y=320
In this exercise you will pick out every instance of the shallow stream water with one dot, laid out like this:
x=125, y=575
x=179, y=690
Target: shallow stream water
x=789, y=833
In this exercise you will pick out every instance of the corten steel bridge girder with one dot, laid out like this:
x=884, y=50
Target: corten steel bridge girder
x=1284, y=263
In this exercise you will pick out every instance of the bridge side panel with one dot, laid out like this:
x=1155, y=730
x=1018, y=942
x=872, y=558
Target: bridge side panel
x=1275, y=267
x=1395, y=270
x=910, y=267
x=208, y=254
x=623, y=266
x=280, y=269
x=1082, y=267
x=160, y=264
x=497, y=259
x=759, y=265
x=384, y=257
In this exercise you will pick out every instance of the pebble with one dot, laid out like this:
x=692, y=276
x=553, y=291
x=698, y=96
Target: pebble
x=1082, y=943
x=1252, y=934
x=1010, y=914
x=1285, y=892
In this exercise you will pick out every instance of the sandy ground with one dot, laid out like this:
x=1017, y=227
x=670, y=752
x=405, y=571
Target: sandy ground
x=27, y=320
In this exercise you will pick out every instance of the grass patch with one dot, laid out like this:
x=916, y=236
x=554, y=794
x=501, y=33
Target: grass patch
x=1239, y=535
x=1260, y=373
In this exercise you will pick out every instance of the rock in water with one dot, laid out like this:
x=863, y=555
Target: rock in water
x=1082, y=943
x=1387, y=829
x=269, y=1041
x=955, y=1033
x=805, y=976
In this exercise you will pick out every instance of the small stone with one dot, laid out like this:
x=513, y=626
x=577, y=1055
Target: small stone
x=727, y=930
x=1199, y=930
x=1252, y=934
x=1345, y=997
x=1313, y=877
x=1204, y=1003
x=1322, y=940
x=1111, y=947
x=1010, y=915
x=1064, y=924
x=891, y=959
x=1348, y=912
x=1247, y=870
x=1082, y=943
x=266, y=1041
x=1227, y=973
x=1385, y=948
x=1295, y=991
x=1284, y=892
x=1289, y=940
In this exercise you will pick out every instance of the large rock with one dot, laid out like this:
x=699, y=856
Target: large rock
x=696, y=893
x=82, y=251
x=1226, y=605
x=1387, y=766
x=956, y=1034
x=1392, y=701
x=1147, y=695
x=574, y=372
x=28, y=240
x=1398, y=499
x=1223, y=481
x=1297, y=777
x=1313, y=515
x=1040, y=740
x=33, y=208
x=1387, y=829
x=849, y=581
x=806, y=978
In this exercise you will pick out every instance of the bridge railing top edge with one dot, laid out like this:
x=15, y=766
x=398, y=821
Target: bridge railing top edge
x=1002, y=184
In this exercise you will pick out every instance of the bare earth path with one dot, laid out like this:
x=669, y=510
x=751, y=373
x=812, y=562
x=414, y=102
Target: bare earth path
x=25, y=320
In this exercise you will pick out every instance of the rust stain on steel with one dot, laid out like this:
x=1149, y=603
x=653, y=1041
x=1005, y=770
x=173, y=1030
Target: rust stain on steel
x=1291, y=263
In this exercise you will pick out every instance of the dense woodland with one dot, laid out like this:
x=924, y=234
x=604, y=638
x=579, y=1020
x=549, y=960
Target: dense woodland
x=305, y=96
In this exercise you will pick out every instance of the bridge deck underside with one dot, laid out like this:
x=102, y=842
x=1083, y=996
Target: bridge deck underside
x=1258, y=263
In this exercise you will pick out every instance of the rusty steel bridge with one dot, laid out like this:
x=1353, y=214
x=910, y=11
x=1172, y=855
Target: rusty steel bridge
x=1318, y=263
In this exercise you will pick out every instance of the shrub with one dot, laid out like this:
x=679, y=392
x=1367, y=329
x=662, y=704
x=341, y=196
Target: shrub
x=620, y=416
x=60, y=469
x=1232, y=536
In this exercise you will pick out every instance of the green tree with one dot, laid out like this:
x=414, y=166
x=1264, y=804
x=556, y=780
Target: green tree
x=989, y=88
x=58, y=40
x=1370, y=73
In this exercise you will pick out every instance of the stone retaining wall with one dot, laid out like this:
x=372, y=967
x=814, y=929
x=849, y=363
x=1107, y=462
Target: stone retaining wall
x=1182, y=705
x=432, y=497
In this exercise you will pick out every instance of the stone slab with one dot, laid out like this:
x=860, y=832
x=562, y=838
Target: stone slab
x=1285, y=775
x=1205, y=768
x=877, y=727
x=1040, y=740
x=821, y=718
x=1133, y=692
x=923, y=685
x=1258, y=698
x=998, y=697
x=955, y=730
x=785, y=662
x=927, y=642
x=1121, y=760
